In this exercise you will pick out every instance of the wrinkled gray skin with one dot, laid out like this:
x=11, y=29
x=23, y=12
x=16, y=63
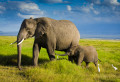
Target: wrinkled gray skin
x=87, y=54
x=50, y=34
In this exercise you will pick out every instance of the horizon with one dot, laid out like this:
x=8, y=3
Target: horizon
x=82, y=36
x=91, y=17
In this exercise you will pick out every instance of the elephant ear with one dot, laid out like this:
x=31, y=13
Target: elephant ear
x=40, y=30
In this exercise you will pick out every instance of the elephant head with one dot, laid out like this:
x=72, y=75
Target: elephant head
x=29, y=28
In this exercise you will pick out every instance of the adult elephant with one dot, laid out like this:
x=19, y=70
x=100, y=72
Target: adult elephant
x=50, y=34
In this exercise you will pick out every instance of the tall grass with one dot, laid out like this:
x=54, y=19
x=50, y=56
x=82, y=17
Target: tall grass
x=60, y=69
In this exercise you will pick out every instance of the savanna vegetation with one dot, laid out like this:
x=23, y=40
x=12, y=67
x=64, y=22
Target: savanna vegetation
x=60, y=70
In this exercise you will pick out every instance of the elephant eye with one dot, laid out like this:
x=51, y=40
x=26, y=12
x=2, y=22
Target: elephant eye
x=29, y=32
x=27, y=29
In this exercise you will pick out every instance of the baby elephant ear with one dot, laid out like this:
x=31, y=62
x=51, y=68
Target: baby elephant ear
x=31, y=17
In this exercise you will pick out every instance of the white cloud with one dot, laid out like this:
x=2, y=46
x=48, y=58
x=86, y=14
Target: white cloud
x=53, y=1
x=1, y=12
x=2, y=9
x=28, y=6
x=114, y=2
x=69, y=8
x=86, y=9
x=29, y=10
x=107, y=2
x=94, y=1
x=89, y=9
x=111, y=2
x=97, y=1
x=96, y=12
x=28, y=16
x=24, y=16
x=93, y=9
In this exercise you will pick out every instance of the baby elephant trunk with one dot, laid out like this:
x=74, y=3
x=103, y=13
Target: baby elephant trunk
x=63, y=54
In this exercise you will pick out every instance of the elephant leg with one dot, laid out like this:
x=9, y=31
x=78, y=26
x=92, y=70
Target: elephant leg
x=79, y=61
x=75, y=59
x=51, y=52
x=70, y=58
x=36, y=50
x=87, y=64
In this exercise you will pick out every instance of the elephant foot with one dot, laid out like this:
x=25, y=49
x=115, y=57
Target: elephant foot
x=19, y=68
x=52, y=59
x=87, y=64
x=35, y=64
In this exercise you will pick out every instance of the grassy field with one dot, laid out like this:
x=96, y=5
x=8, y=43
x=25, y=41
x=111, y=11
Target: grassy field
x=59, y=70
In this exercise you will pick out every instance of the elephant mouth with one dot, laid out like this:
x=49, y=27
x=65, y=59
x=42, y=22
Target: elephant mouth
x=28, y=36
x=24, y=39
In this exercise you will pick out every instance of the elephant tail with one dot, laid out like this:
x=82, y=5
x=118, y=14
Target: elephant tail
x=99, y=60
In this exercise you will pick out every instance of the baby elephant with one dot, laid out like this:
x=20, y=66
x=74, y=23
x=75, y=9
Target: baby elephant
x=87, y=54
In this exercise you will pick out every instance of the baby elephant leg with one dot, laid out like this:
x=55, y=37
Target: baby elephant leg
x=80, y=58
x=70, y=58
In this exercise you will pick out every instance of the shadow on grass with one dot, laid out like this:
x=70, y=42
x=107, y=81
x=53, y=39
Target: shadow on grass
x=11, y=60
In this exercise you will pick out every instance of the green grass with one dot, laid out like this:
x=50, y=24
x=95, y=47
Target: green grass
x=59, y=70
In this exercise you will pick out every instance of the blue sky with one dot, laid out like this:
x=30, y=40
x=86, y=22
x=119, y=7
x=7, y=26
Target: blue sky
x=90, y=16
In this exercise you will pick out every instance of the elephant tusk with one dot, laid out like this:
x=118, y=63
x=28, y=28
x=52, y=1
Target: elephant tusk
x=20, y=41
x=13, y=42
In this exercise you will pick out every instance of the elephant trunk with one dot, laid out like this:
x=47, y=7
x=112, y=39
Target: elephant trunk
x=19, y=56
x=19, y=46
x=13, y=42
